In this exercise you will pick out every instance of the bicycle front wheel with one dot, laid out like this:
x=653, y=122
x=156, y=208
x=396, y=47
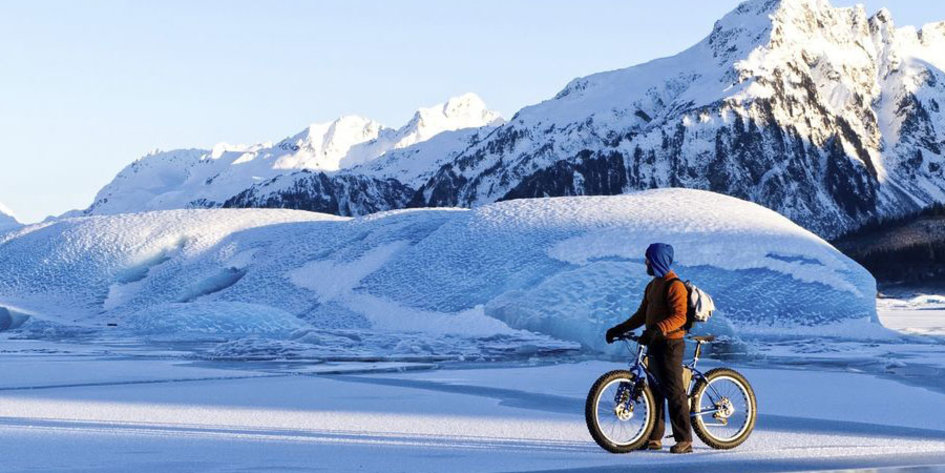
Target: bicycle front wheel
x=619, y=414
x=723, y=408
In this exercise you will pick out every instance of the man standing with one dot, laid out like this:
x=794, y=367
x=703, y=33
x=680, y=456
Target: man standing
x=663, y=313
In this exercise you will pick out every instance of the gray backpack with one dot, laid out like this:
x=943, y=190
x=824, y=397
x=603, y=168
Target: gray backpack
x=699, y=305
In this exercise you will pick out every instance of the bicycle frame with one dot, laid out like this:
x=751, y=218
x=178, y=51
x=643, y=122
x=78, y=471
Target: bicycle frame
x=640, y=372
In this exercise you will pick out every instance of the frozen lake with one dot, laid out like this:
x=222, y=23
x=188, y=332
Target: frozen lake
x=87, y=411
x=111, y=406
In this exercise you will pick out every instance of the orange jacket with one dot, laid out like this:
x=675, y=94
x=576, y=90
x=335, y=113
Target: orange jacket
x=662, y=310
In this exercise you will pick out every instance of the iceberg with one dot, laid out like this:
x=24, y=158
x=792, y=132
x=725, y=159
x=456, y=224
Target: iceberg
x=520, y=277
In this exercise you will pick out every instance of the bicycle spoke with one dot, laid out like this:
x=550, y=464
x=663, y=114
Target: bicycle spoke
x=609, y=411
x=726, y=392
x=606, y=407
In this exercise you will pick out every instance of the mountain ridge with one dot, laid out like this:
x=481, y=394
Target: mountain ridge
x=827, y=115
x=186, y=178
x=781, y=104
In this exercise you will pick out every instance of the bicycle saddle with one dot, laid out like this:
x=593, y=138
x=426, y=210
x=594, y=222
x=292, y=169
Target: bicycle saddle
x=704, y=338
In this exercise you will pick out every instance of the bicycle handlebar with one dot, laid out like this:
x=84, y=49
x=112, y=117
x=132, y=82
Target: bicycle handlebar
x=636, y=338
x=628, y=336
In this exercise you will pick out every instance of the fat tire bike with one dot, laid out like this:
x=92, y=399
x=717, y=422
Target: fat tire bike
x=619, y=407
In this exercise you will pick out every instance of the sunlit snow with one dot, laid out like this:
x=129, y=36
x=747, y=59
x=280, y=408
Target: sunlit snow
x=510, y=278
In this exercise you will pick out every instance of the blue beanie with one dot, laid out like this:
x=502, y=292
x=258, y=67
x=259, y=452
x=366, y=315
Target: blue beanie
x=661, y=258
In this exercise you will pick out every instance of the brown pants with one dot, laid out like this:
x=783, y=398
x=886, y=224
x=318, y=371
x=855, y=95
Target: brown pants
x=665, y=363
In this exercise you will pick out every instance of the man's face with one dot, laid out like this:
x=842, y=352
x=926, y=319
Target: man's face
x=649, y=268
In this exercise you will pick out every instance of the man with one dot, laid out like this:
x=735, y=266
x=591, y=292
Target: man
x=663, y=313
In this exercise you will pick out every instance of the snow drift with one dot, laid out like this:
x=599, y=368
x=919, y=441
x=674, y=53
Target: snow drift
x=518, y=277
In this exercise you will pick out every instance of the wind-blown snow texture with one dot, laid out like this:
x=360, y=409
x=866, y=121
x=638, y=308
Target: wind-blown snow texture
x=503, y=279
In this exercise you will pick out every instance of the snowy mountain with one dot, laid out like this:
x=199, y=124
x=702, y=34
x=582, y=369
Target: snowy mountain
x=207, y=178
x=339, y=194
x=7, y=219
x=504, y=279
x=823, y=114
x=826, y=115
x=385, y=183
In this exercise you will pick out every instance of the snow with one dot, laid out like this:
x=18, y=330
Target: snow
x=922, y=314
x=206, y=178
x=784, y=78
x=506, y=280
x=137, y=411
x=571, y=267
x=11, y=318
x=414, y=165
x=7, y=219
x=463, y=112
x=344, y=275
x=219, y=318
x=791, y=76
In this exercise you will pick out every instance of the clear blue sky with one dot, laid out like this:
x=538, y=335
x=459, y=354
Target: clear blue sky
x=87, y=87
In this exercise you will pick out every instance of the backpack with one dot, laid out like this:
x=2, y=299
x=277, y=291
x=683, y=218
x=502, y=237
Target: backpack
x=700, y=304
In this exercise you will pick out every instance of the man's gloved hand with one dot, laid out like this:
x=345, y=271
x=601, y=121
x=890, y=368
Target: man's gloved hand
x=648, y=336
x=612, y=334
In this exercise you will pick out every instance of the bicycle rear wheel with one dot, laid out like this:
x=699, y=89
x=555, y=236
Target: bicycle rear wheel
x=729, y=409
x=619, y=415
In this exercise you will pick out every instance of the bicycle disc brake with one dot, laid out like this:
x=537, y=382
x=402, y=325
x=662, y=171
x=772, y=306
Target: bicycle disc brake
x=623, y=408
x=724, y=410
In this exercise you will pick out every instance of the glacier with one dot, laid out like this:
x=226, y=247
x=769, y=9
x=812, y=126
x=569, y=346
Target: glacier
x=516, y=278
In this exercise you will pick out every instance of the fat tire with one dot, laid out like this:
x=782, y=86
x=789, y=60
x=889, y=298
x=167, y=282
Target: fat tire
x=590, y=411
x=697, y=425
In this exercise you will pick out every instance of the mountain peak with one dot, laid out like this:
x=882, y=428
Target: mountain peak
x=341, y=128
x=753, y=7
x=788, y=16
x=467, y=109
x=465, y=105
x=883, y=15
x=7, y=219
x=463, y=111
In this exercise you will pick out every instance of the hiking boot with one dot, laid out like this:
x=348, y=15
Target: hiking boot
x=681, y=447
x=651, y=445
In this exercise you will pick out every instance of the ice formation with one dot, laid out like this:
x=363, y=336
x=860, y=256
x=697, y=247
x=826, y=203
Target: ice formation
x=511, y=277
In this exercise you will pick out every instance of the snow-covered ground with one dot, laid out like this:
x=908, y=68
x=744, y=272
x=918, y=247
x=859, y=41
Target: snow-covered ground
x=80, y=408
x=99, y=405
x=914, y=312
x=118, y=406
x=435, y=340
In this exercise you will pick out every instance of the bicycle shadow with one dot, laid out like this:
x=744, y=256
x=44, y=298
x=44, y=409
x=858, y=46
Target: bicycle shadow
x=575, y=406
